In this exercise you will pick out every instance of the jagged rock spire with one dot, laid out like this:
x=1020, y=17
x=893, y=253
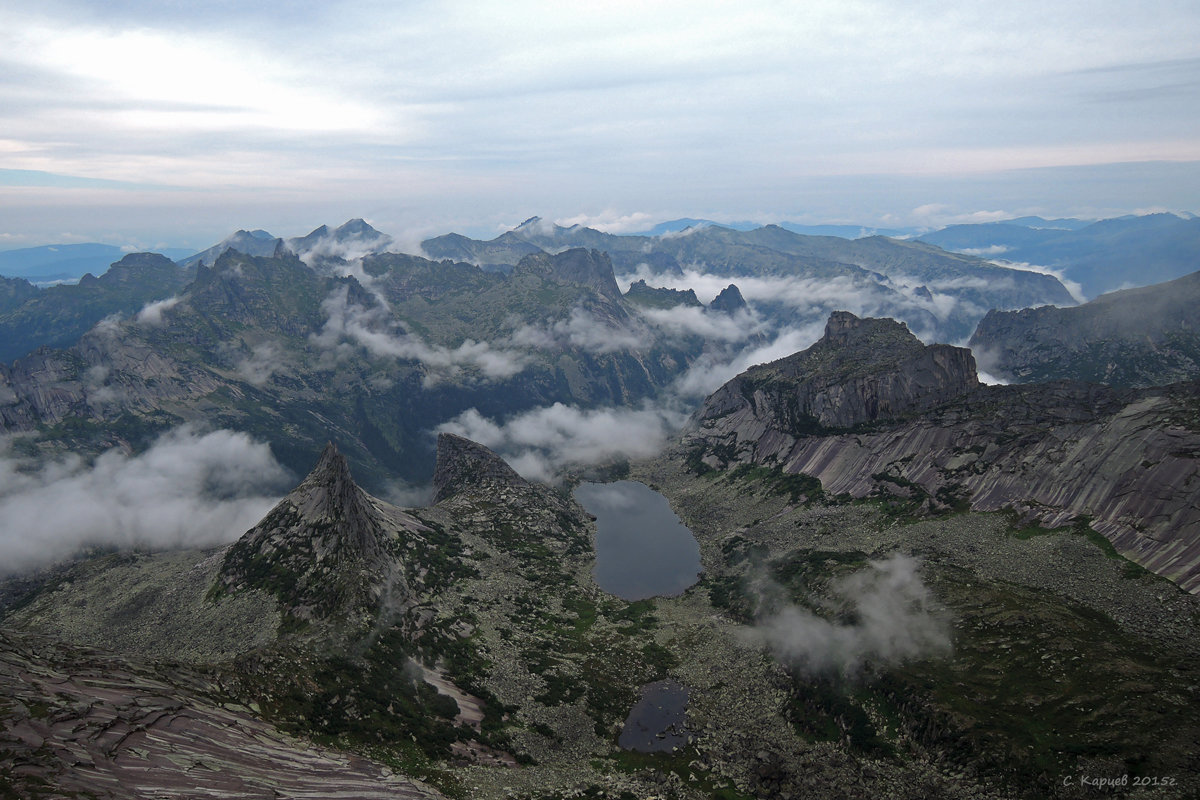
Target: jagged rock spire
x=321, y=549
x=464, y=464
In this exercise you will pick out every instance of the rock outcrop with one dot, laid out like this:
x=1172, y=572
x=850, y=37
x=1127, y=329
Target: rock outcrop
x=466, y=465
x=1127, y=462
x=592, y=269
x=1136, y=337
x=862, y=371
x=92, y=724
x=327, y=549
x=642, y=294
x=729, y=301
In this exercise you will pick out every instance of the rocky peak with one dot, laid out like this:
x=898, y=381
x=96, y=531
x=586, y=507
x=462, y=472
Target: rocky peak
x=589, y=268
x=329, y=495
x=321, y=550
x=356, y=227
x=729, y=301
x=464, y=464
x=644, y=294
x=846, y=330
x=861, y=371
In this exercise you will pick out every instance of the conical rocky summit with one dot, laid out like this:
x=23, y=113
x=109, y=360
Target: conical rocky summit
x=729, y=301
x=321, y=550
x=466, y=465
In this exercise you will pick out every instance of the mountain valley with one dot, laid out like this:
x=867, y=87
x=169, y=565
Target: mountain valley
x=914, y=584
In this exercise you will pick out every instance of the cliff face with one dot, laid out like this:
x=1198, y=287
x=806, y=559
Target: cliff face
x=592, y=269
x=1128, y=460
x=862, y=371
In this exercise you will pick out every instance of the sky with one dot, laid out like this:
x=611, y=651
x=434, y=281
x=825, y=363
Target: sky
x=152, y=124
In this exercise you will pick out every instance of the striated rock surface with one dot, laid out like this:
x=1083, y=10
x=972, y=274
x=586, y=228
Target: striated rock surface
x=1127, y=461
x=91, y=724
x=1136, y=337
x=464, y=464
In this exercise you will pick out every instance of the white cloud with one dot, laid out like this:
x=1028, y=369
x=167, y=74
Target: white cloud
x=992, y=250
x=151, y=314
x=263, y=362
x=580, y=329
x=612, y=221
x=189, y=489
x=540, y=443
x=693, y=321
x=895, y=620
x=373, y=330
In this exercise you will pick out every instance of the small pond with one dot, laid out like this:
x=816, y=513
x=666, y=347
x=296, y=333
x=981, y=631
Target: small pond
x=657, y=723
x=642, y=549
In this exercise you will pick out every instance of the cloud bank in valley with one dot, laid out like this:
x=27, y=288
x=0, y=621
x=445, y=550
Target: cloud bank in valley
x=580, y=330
x=349, y=324
x=541, y=442
x=189, y=489
x=894, y=619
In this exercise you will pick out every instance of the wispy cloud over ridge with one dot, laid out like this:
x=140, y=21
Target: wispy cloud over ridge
x=351, y=324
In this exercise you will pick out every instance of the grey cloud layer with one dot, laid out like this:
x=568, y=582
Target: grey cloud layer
x=541, y=442
x=362, y=104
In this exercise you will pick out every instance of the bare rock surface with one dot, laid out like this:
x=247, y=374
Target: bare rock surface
x=462, y=463
x=871, y=412
x=83, y=723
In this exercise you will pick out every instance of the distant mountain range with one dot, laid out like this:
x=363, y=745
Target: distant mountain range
x=1101, y=256
x=66, y=262
x=844, y=231
x=798, y=277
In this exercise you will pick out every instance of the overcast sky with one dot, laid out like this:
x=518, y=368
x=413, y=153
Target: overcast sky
x=155, y=123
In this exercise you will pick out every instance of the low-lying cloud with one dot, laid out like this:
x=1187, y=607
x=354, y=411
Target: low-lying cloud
x=579, y=330
x=189, y=489
x=1075, y=288
x=541, y=442
x=350, y=324
x=806, y=298
x=692, y=321
x=151, y=314
x=893, y=619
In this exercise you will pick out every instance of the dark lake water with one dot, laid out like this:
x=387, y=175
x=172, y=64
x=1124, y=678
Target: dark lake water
x=657, y=723
x=642, y=549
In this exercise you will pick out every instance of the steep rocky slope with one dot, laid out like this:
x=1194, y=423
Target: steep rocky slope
x=59, y=315
x=256, y=344
x=76, y=722
x=1135, y=337
x=869, y=411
